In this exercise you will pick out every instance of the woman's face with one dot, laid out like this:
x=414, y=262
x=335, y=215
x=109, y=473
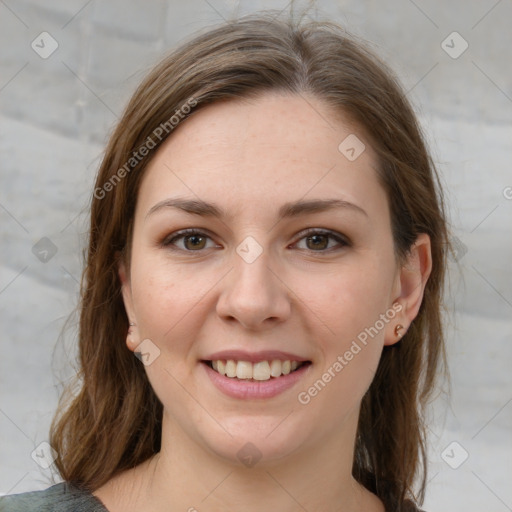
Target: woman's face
x=288, y=257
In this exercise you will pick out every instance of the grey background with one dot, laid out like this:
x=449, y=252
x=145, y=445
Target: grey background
x=56, y=114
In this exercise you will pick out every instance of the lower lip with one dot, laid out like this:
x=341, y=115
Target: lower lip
x=250, y=389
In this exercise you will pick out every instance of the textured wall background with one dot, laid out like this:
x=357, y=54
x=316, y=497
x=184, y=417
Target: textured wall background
x=60, y=94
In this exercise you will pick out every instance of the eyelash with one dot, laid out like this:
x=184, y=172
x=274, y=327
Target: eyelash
x=341, y=240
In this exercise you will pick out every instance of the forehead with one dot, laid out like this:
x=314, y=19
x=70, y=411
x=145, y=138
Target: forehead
x=256, y=154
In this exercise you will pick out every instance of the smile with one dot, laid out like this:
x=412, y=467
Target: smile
x=259, y=371
x=245, y=380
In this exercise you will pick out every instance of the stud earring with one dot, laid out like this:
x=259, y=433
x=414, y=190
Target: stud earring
x=399, y=328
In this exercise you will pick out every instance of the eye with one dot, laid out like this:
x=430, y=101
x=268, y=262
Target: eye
x=319, y=240
x=314, y=240
x=189, y=240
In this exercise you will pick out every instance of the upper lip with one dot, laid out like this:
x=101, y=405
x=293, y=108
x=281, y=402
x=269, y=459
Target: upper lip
x=254, y=357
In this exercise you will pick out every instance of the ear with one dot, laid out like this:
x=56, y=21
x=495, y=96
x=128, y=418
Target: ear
x=410, y=286
x=132, y=338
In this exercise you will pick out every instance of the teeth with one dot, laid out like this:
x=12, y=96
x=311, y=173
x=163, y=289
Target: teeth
x=275, y=368
x=231, y=368
x=262, y=370
x=244, y=370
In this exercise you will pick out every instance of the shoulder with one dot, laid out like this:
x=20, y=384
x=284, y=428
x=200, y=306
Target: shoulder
x=61, y=497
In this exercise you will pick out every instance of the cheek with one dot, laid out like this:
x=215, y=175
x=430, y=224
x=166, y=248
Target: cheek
x=171, y=304
x=167, y=306
x=348, y=299
x=350, y=309
x=161, y=297
x=350, y=344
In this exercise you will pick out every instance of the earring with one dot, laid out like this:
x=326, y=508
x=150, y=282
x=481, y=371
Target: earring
x=131, y=324
x=398, y=328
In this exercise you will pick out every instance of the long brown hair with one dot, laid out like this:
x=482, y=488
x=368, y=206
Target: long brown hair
x=114, y=421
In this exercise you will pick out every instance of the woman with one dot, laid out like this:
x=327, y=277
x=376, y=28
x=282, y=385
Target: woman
x=268, y=238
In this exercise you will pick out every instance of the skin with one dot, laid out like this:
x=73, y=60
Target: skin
x=249, y=157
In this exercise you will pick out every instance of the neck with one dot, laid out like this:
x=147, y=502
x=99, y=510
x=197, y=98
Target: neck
x=184, y=476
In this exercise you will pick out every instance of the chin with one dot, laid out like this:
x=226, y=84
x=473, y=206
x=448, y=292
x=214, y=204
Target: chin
x=260, y=441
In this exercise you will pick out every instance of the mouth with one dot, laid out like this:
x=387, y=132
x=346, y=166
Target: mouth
x=259, y=371
x=255, y=380
x=253, y=375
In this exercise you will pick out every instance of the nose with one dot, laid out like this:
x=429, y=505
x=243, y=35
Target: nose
x=253, y=295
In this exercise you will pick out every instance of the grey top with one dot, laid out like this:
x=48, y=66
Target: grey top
x=61, y=497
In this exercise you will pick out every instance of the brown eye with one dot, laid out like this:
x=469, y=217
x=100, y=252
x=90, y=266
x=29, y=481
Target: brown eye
x=194, y=242
x=321, y=241
x=189, y=241
x=317, y=242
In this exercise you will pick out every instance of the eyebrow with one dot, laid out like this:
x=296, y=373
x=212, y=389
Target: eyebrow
x=288, y=210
